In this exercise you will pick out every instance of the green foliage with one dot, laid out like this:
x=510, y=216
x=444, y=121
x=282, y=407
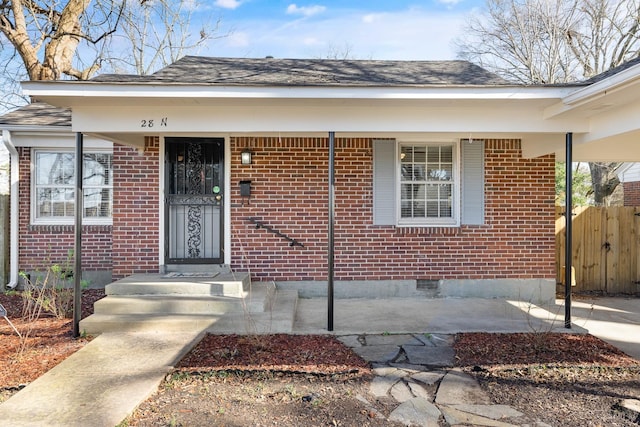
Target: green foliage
x=581, y=185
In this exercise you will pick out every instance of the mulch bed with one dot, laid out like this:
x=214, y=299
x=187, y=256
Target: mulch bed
x=48, y=341
x=537, y=348
x=318, y=354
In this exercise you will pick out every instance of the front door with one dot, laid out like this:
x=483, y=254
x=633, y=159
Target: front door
x=193, y=200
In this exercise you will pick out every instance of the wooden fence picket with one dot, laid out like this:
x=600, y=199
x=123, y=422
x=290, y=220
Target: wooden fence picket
x=606, y=248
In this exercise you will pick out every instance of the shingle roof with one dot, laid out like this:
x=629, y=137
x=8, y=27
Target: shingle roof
x=613, y=71
x=313, y=72
x=37, y=114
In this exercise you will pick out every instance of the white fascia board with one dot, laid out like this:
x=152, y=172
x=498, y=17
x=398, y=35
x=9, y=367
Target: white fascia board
x=80, y=90
x=603, y=87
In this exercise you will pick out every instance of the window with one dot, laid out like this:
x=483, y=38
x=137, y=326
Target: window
x=418, y=179
x=54, y=187
x=429, y=184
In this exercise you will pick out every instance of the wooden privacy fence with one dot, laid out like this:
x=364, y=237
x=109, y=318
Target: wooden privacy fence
x=605, y=253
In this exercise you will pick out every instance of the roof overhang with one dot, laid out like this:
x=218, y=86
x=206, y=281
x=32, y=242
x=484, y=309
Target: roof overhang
x=50, y=137
x=602, y=116
x=70, y=94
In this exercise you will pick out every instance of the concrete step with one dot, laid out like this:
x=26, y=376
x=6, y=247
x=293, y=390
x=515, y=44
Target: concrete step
x=263, y=309
x=197, y=268
x=175, y=304
x=223, y=284
x=158, y=323
x=276, y=315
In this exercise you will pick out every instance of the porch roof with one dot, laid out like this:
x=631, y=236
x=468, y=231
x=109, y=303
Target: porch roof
x=405, y=99
x=36, y=115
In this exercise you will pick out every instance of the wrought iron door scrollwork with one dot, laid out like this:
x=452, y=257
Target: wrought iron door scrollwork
x=195, y=180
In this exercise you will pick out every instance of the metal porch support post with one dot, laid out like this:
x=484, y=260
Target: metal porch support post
x=77, y=252
x=568, y=231
x=330, y=239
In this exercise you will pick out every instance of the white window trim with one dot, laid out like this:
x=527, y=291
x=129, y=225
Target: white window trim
x=430, y=222
x=60, y=220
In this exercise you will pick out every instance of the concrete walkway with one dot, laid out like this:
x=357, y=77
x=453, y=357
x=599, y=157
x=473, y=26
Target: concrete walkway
x=615, y=320
x=106, y=380
x=99, y=385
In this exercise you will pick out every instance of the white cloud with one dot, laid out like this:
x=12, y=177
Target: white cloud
x=228, y=4
x=293, y=9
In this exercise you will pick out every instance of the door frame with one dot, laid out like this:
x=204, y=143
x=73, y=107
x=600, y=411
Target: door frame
x=226, y=231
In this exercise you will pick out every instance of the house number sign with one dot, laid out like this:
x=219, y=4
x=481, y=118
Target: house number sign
x=149, y=123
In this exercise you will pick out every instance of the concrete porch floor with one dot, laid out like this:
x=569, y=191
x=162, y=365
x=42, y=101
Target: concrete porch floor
x=615, y=320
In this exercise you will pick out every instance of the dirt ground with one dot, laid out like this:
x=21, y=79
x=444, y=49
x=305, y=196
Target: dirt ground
x=561, y=379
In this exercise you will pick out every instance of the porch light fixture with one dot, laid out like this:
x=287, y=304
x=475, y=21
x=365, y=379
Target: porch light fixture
x=245, y=157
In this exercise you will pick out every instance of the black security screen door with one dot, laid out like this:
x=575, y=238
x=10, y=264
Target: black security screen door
x=193, y=200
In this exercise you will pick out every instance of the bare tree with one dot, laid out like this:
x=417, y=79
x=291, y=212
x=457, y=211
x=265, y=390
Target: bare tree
x=156, y=33
x=46, y=35
x=555, y=41
x=51, y=40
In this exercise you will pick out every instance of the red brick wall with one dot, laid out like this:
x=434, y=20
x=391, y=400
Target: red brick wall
x=631, y=193
x=289, y=193
x=41, y=246
x=136, y=220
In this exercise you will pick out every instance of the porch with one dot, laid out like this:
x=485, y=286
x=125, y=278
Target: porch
x=225, y=301
x=217, y=301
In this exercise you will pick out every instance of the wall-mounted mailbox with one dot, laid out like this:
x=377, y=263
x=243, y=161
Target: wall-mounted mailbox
x=245, y=188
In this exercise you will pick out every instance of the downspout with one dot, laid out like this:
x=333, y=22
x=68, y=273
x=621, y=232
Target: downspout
x=13, y=230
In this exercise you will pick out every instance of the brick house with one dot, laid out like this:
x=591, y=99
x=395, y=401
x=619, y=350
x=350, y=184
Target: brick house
x=629, y=176
x=444, y=173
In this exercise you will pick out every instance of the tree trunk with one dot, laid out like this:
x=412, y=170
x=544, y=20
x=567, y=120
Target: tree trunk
x=604, y=181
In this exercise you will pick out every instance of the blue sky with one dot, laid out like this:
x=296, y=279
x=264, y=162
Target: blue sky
x=374, y=29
